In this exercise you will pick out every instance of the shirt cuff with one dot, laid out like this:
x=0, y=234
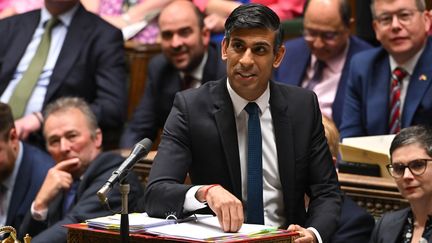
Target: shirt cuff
x=317, y=235
x=38, y=215
x=191, y=203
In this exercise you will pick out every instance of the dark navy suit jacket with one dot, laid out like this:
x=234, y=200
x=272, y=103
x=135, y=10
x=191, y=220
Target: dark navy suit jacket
x=91, y=63
x=163, y=83
x=31, y=174
x=366, y=109
x=295, y=63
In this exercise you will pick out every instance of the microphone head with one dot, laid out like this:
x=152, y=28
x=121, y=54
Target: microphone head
x=144, y=146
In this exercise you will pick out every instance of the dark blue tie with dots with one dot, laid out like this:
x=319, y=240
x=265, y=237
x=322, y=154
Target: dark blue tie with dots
x=255, y=209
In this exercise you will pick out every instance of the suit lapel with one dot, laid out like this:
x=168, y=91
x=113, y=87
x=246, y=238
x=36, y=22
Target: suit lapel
x=79, y=29
x=284, y=138
x=18, y=44
x=226, y=125
x=377, y=96
x=418, y=85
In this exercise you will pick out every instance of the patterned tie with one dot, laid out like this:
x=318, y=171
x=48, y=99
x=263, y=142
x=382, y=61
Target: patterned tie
x=25, y=86
x=318, y=74
x=394, y=119
x=255, y=208
x=188, y=81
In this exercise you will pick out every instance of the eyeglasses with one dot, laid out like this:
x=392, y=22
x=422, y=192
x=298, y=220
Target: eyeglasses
x=326, y=36
x=404, y=16
x=416, y=167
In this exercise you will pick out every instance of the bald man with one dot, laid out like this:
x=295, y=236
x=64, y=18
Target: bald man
x=323, y=54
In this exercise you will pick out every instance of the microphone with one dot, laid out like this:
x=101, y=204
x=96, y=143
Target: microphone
x=139, y=151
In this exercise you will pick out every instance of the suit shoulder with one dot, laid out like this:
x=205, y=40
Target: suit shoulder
x=295, y=45
x=39, y=157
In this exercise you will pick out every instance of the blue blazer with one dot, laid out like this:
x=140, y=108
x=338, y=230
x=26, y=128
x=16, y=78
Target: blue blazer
x=31, y=174
x=366, y=109
x=297, y=58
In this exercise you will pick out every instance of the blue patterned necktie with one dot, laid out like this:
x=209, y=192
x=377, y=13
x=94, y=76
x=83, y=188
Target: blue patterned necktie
x=317, y=75
x=255, y=208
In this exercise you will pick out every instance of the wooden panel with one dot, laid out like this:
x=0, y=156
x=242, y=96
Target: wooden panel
x=138, y=57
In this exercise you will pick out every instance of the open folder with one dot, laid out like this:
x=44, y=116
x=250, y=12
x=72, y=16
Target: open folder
x=197, y=228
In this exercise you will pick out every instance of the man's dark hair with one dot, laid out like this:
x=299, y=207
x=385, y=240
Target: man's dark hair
x=421, y=135
x=344, y=11
x=6, y=121
x=420, y=4
x=250, y=16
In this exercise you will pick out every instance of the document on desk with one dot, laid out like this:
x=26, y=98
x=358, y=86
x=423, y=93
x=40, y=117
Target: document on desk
x=207, y=228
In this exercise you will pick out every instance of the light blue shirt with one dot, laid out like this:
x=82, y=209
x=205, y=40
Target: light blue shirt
x=58, y=36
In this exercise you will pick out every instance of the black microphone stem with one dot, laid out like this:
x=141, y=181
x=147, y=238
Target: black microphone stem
x=124, y=220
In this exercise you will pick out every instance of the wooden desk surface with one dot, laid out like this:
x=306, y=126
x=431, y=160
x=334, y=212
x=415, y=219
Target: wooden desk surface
x=78, y=233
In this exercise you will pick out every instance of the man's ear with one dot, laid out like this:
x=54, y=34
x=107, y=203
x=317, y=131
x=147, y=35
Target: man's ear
x=224, y=49
x=279, y=56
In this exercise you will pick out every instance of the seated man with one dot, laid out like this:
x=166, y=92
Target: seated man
x=22, y=171
x=252, y=147
x=320, y=60
x=411, y=168
x=390, y=87
x=68, y=194
x=61, y=50
x=186, y=53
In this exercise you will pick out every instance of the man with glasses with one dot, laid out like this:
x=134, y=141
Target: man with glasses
x=389, y=87
x=411, y=157
x=319, y=61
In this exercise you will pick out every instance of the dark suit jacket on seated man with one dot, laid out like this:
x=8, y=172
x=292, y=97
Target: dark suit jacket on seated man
x=68, y=194
x=183, y=54
x=326, y=39
x=405, y=44
x=22, y=170
x=206, y=136
x=86, y=59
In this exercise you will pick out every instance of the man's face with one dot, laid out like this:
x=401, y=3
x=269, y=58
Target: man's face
x=57, y=7
x=400, y=27
x=182, y=40
x=68, y=136
x=8, y=154
x=325, y=33
x=250, y=60
x=412, y=187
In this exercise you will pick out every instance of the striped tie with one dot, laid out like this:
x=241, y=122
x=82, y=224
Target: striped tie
x=395, y=110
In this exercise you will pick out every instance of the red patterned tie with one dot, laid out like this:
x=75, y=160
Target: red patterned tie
x=395, y=105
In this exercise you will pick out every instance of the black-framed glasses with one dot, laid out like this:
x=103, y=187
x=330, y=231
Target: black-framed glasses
x=404, y=16
x=417, y=167
x=326, y=36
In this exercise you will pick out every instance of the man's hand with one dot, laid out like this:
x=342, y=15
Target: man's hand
x=228, y=209
x=306, y=236
x=26, y=125
x=215, y=23
x=57, y=179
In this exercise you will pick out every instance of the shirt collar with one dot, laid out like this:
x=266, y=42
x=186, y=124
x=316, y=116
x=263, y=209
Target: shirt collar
x=197, y=73
x=65, y=18
x=336, y=64
x=409, y=65
x=239, y=103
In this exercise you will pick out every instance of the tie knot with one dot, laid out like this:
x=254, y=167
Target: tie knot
x=399, y=73
x=51, y=23
x=252, y=108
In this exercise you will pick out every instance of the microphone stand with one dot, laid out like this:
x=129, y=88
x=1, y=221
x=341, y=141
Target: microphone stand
x=124, y=220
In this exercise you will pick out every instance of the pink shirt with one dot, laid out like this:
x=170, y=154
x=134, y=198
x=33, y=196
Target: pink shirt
x=285, y=9
x=326, y=90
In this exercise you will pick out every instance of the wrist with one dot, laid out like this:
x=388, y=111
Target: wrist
x=126, y=18
x=202, y=194
x=39, y=117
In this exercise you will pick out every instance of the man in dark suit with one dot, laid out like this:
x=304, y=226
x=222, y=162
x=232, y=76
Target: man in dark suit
x=390, y=87
x=206, y=135
x=326, y=39
x=68, y=193
x=22, y=171
x=85, y=59
x=186, y=52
